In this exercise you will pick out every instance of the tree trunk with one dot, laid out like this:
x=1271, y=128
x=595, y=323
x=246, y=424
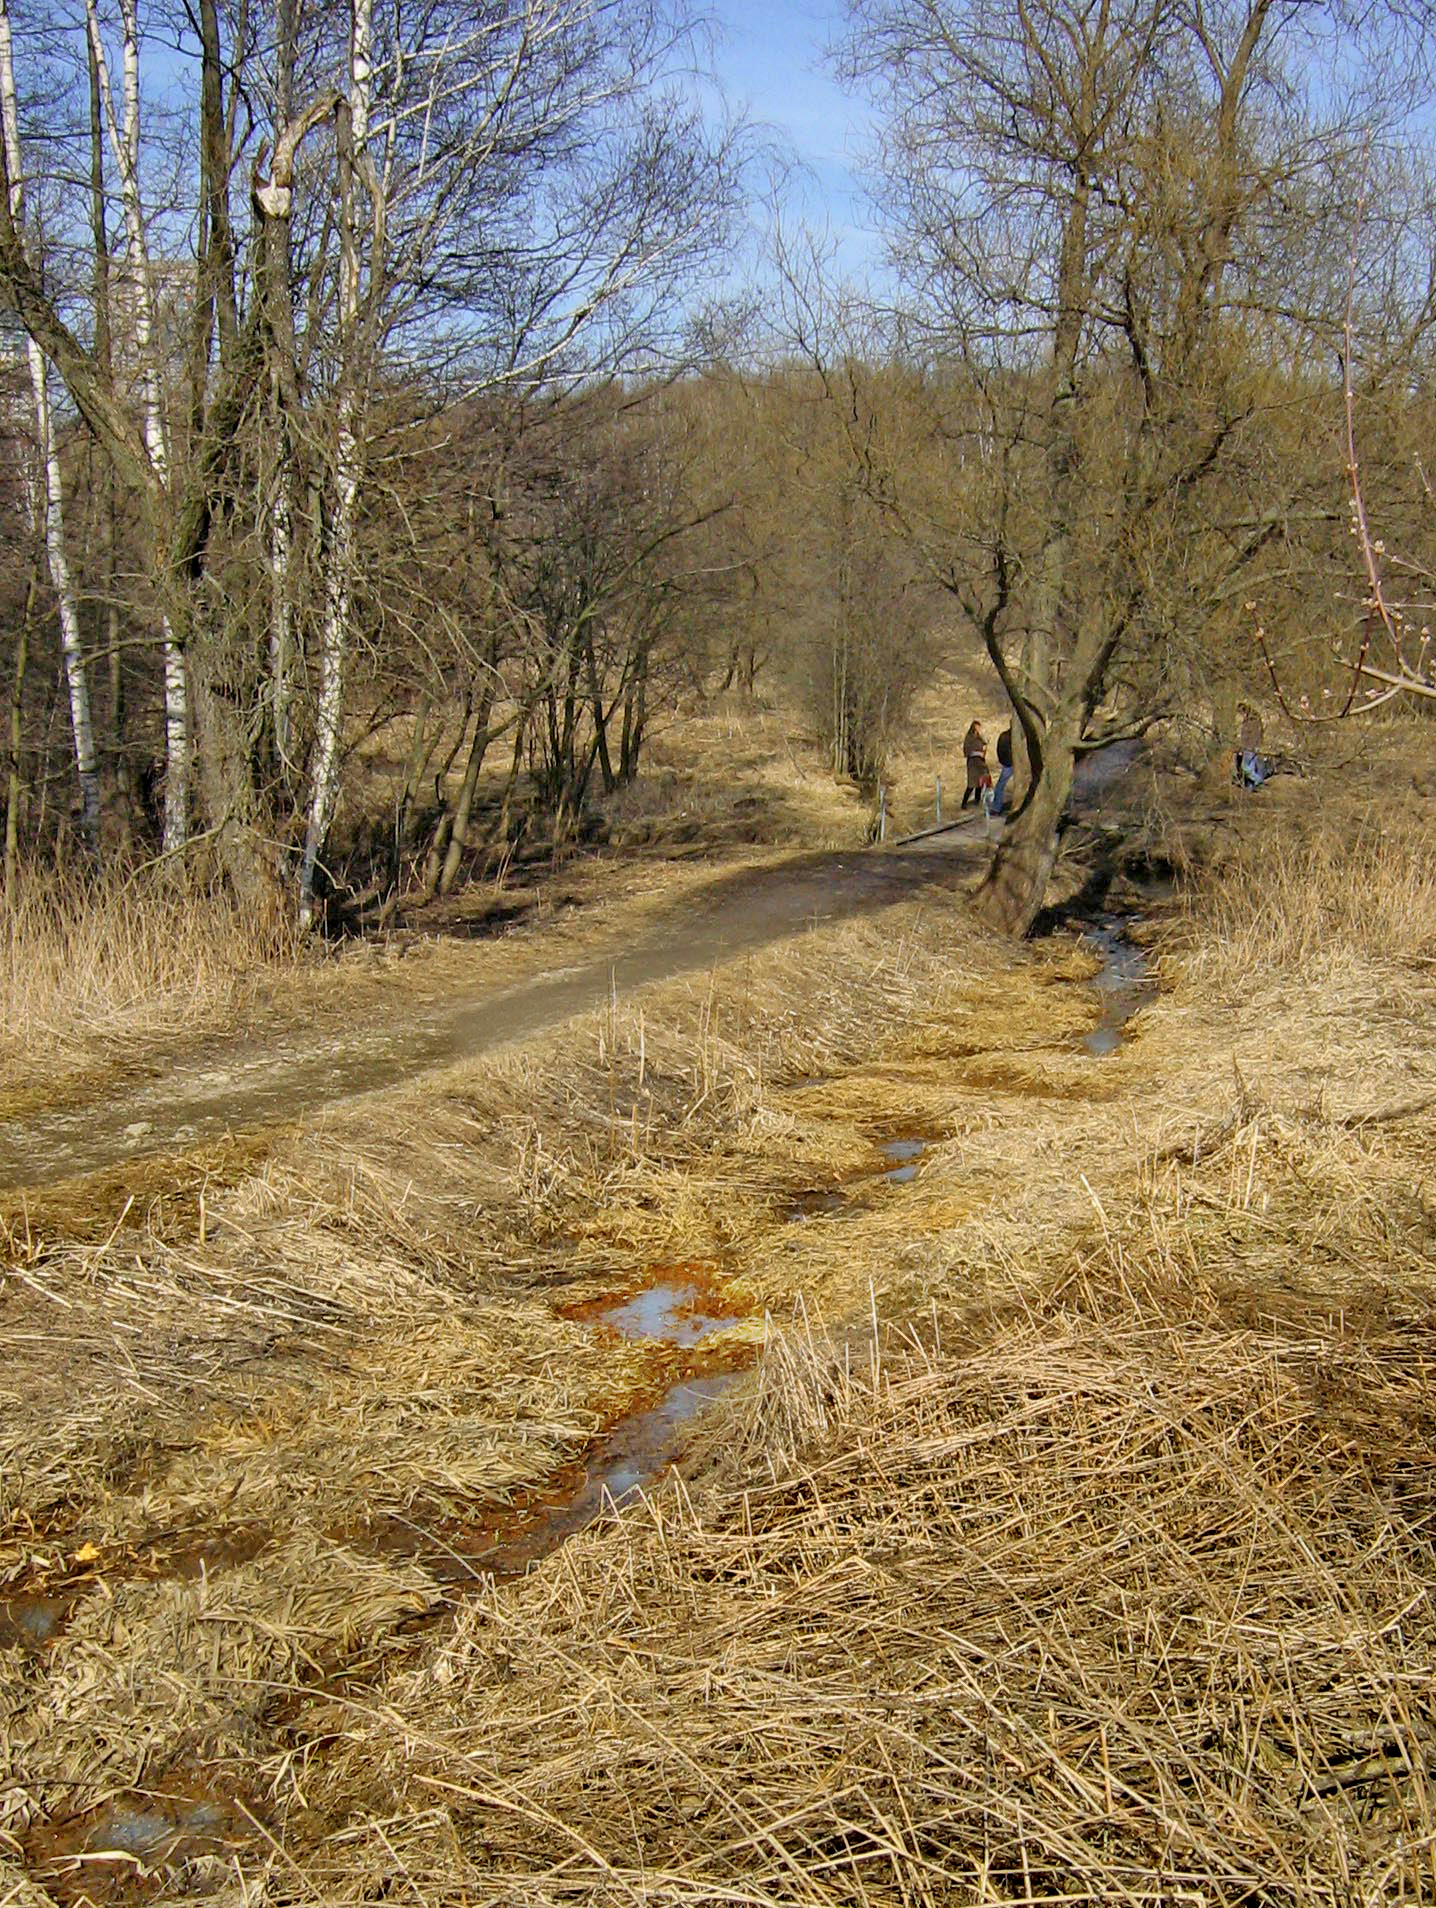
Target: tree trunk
x=276, y=295
x=459, y=837
x=348, y=462
x=77, y=680
x=600, y=717
x=126, y=143
x=53, y=507
x=635, y=716
x=223, y=754
x=421, y=747
x=333, y=649
x=121, y=768
x=14, y=783
x=434, y=860
x=281, y=618
x=1011, y=894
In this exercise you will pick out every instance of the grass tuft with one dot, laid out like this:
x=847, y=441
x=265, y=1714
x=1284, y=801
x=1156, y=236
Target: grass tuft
x=124, y=959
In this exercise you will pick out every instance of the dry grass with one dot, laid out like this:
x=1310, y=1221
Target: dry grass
x=1103, y=1577
x=1311, y=957
x=122, y=974
x=364, y=1344
x=1316, y=906
x=124, y=961
x=1117, y=1593
x=214, y=1650
x=1108, y=1583
x=738, y=771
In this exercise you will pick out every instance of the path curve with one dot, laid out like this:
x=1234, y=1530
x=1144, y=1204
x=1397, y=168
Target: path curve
x=240, y=1085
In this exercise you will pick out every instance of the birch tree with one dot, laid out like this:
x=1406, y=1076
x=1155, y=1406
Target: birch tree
x=358, y=188
x=448, y=202
x=139, y=301
x=508, y=205
x=49, y=501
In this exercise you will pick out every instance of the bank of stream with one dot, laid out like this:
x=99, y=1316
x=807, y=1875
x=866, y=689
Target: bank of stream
x=704, y=1345
x=683, y=1313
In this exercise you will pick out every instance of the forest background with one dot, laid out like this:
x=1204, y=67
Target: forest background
x=388, y=448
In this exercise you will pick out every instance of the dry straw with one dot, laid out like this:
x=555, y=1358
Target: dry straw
x=1106, y=1579
x=1108, y=1597
x=127, y=960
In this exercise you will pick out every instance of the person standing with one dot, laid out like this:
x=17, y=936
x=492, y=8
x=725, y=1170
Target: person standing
x=974, y=751
x=1004, y=770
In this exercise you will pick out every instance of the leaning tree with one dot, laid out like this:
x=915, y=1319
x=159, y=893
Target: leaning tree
x=1114, y=224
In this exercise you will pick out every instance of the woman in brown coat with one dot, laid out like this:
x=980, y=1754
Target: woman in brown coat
x=974, y=749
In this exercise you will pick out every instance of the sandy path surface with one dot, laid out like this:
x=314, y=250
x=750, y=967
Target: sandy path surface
x=237, y=1084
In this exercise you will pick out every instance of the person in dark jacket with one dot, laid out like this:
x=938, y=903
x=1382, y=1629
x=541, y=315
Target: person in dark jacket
x=1004, y=770
x=974, y=750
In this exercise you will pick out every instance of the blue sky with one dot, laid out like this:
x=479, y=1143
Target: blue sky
x=770, y=58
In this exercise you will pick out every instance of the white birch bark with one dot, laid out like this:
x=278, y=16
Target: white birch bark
x=53, y=500
x=274, y=266
x=348, y=469
x=125, y=139
x=281, y=616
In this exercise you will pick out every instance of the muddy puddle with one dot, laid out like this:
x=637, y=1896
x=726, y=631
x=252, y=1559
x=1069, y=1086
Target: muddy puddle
x=32, y=1622
x=119, y=1852
x=675, y=1311
x=679, y=1310
x=899, y=1154
x=634, y=1456
x=905, y=1152
x=112, y=1852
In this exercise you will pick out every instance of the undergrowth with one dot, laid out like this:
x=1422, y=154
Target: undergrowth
x=1289, y=907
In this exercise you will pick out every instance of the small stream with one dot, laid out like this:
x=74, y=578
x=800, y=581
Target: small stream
x=1124, y=981
x=680, y=1312
x=675, y=1311
x=905, y=1151
x=678, y=1309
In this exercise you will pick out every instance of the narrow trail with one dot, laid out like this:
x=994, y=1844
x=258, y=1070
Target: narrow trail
x=238, y=1084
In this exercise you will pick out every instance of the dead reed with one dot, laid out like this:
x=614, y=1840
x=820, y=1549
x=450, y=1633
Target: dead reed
x=123, y=960
x=1088, y=1558
x=1315, y=904
x=1111, y=1595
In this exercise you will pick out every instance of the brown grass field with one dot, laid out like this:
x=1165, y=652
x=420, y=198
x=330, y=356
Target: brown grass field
x=1066, y=1530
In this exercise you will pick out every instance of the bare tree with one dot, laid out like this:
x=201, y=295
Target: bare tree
x=48, y=494
x=139, y=303
x=1113, y=218
x=1394, y=652
x=453, y=199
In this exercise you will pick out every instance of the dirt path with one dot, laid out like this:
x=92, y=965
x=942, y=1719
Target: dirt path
x=237, y=1085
